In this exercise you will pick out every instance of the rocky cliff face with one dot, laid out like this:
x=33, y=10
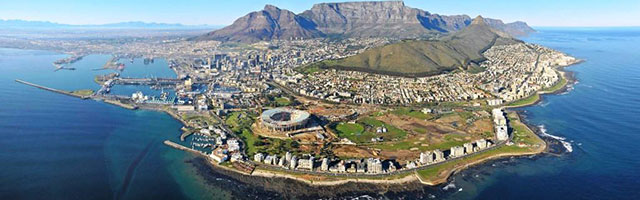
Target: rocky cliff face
x=364, y=19
x=350, y=19
x=268, y=24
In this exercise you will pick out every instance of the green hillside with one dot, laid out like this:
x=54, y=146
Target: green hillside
x=462, y=50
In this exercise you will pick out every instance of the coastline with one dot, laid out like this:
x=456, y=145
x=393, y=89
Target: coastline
x=569, y=78
x=410, y=176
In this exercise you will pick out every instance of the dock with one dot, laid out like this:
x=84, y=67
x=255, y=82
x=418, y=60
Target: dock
x=180, y=147
x=239, y=167
x=52, y=89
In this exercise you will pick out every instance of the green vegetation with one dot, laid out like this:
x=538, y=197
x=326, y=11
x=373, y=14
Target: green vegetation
x=420, y=130
x=561, y=83
x=526, y=101
x=349, y=128
x=364, y=129
x=411, y=113
x=196, y=117
x=450, y=141
x=282, y=101
x=239, y=120
x=240, y=123
x=84, y=92
x=424, y=58
x=475, y=69
x=315, y=67
x=250, y=140
x=521, y=133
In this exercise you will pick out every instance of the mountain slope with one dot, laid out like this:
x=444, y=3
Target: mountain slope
x=460, y=50
x=268, y=24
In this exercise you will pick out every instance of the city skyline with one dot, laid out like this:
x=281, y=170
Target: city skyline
x=197, y=12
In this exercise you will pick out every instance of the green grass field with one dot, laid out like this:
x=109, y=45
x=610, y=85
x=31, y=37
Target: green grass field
x=557, y=86
x=526, y=101
x=450, y=141
x=522, y=134
x=358, y=132
x=354, y=132
x=411, y=113
x=283, y=101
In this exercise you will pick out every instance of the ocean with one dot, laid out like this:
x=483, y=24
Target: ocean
x=58, y=147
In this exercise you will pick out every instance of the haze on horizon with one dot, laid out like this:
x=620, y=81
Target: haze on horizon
x=575, y=13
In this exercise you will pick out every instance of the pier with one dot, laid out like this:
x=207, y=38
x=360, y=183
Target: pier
x=52, y=89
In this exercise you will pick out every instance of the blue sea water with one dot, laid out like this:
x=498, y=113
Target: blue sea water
x=599, y=116
x=58, y=147
x=54, y=146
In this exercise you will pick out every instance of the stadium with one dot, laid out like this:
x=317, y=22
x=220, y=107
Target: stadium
x=284, y=119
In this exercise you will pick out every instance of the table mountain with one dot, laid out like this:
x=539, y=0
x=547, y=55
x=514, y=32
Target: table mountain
x=350, y=19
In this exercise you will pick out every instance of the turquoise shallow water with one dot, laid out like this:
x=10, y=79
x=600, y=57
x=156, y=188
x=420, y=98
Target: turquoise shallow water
x=66, y=148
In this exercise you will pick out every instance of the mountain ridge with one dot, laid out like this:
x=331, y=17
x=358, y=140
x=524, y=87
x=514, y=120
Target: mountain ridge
x=416, y=58
x=353, y=19
x=27, y=24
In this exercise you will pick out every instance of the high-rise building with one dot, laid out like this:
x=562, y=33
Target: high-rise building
x=468, y=148
x=456, y=151
x=325, y=164
x=374, y=166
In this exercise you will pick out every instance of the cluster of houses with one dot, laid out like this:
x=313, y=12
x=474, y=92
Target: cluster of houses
x=226, y=148
x=309, y=163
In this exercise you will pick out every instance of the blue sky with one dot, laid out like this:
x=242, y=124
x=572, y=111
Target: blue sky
x=222, y=12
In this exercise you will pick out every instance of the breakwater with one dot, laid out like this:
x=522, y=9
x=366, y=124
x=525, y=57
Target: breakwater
x=52, y=89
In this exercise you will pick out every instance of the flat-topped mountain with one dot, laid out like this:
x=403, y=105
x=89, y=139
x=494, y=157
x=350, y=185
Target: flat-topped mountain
x=363, y=19
x=460, y=50
x=349, y=19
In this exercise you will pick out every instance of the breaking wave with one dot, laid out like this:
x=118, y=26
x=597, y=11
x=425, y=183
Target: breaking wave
x=449, y=186
x=567, y=145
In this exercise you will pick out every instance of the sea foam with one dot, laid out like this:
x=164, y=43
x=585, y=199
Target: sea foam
x=567, y=145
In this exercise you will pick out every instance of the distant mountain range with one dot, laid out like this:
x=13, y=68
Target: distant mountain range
x=460, y=50
x=349, y=19
x=24, y=24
